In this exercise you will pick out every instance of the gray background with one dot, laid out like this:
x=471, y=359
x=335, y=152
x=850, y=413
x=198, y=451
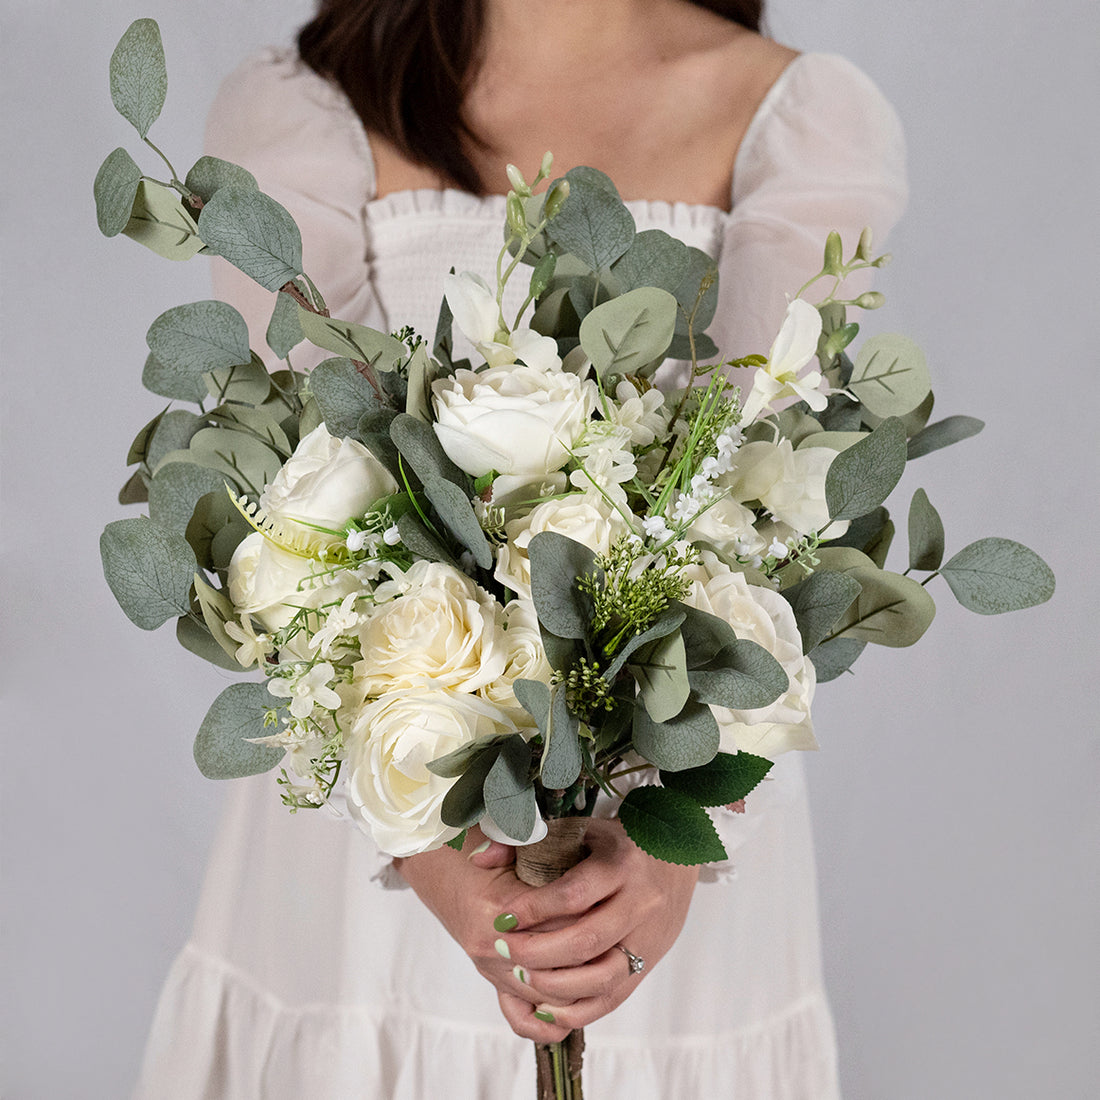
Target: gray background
x=955, y=797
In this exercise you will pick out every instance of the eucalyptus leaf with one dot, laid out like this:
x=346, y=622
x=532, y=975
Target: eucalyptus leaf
x=457, y=513
x=246, y=383
x=818, y=602
x=890, y=375
x=175, y=490
x=216, y=612
x=629, y=332
x=509, y=792
x=418, y=540
x=654, y=259
x=115, y=188
x=926, y=537
x=890, y=610
x=160, y=221
x=208, y=174
x=686, y=741
x=139, y=77
x=196, y=639
x=705, y=635
x=995, y=575
x=593, y=223
x=741, y=676
x=149, y=569
x=681, y=347
x=256, y=419
x=878, y=548
x=422, y=372
x=556, y=563
x=729, y=777
x=863, y=531
x=215, y=529
x=376, y=349
x=943, y=433
x=254, y=233
x=443, y=344
x=668, y=621
x=168, y=382
x=912, y=421
x=692, y=297
x=245, y=460
x=135, y=491
x=284, y=332
x=670, y=826
x=862, y=477
x=586, y=292
x=343, y=396
x=222, y=750
x=199, y=337
x=176, y=429
x=464, y=803
x=455, y=763
x=835, y=657
x=561, y=761
x=140, y=446
x=834, y=441
x=841, y=413
x=560, y=652
x=660, y=669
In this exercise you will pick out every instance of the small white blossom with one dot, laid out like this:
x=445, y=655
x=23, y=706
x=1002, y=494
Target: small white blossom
x=656, y=528
x=793, y=349
x=356, y=540
x=254, y=647
x=340, y=620
x=777, y=549
x=391, y=536
x=306, y=687
x=639, y=413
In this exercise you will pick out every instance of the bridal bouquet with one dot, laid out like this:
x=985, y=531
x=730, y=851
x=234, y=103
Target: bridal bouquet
x=485, y=590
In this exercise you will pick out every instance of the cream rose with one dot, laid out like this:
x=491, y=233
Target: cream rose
x=390, y=791
x=270, y=583
x=585, y=518
x=326, y=482
x=764, y=617
x=525, y=659
x=443, y=629
x=516, y=420
x=728, y=526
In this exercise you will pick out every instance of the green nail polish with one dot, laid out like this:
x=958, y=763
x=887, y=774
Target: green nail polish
x=506, y=922
x=544, y=1016
x=520, y=973
x=502, y=949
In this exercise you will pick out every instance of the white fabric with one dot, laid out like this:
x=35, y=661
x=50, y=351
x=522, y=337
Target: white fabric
x=303, y=978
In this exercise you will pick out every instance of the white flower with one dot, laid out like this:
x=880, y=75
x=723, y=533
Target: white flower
x=306, y=687
x=444, y=630
x=342, y=619
x=326, y=482
x=585, y=518
x=390, y=790
x=270, y=583
x=516, y=420
x=728, y=526
x=762, y=616
x=642, y=414
x=254, y=647
x=475, y=311
x=525, y=659
x=794, y=347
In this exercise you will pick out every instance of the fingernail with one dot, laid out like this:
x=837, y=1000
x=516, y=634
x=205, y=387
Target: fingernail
x=520, y=973
x=544, y=1014
x=506, y=922
x=482, y=847
x=502, y=949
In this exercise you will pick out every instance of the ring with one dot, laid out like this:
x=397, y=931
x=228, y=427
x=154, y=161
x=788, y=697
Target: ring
x=636, y=962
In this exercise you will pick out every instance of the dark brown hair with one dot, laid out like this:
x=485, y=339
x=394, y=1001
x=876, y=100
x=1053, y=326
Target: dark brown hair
x=405, y=66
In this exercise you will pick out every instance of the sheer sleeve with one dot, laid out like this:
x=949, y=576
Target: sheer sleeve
x=299, y=137
x=825, y=151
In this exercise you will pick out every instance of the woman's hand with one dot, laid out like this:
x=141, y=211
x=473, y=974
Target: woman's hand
x=562, y=950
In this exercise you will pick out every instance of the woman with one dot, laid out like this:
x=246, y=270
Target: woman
x=388, y=144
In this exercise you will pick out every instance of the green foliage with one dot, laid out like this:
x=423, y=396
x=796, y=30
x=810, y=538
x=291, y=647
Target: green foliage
x=115, y=188
x=452, y=505
x=943, y=433
x=995, y=575
x=660, y=670
x=741, y=676
x=176, y=429
x=284, y=331
x=654, y=259
x=199, y=337
x=670, y=826
x=343, y=396
x=926, y=536
x=818, y=602
x=890, y=375
x=168, y=382
x=196, y=639
x=862, y=477
x=593, y=223
x=631, y=332
x=216, y=611
x=556, y=563
x=508, y=790
x=834, y=657
x=464, y=803
x=686, y=741
x=160, y=221
x=149, y=569
x=254, y=233
x=208, y=174
x=365, y=345
x=139, y=78
x=729, y=777
x=221, y=748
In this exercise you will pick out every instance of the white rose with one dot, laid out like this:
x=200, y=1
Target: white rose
x=269, y=583
x=525, y=659
x=444, y=630
x=586, y=519
x=390, y=790
x=728, y=526
x=764, y=617
x=516, y=420
x=326, y=482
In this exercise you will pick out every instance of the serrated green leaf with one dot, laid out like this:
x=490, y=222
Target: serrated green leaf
x=378, y=350
x=627, y=333
x=729, y=777
x=556, y=563
x=890, y=375
x=818, y=602
x=686, y=741
x=139, y=77
x=926, y=537
x=208, y=174
x=254, y=233
x=670, y=826
x=457, y=842
x=660, y=669
x=593, y=223
x=741, y=676
x=149, y=569
x=863, y=476
x=115, y=188
x=943, y=433
x=834, y=657
x=168, y=382
x=509, y=792
x=161, y=222
x=995, y=575
x=653, y=259
x=221, y=748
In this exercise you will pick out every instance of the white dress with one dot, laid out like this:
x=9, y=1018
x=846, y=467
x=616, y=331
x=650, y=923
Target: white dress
x=304, y=978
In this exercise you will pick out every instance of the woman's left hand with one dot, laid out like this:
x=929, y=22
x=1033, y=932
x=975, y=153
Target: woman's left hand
x=566, y=940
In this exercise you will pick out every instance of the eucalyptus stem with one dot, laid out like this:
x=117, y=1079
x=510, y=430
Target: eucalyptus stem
x=175, y=180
